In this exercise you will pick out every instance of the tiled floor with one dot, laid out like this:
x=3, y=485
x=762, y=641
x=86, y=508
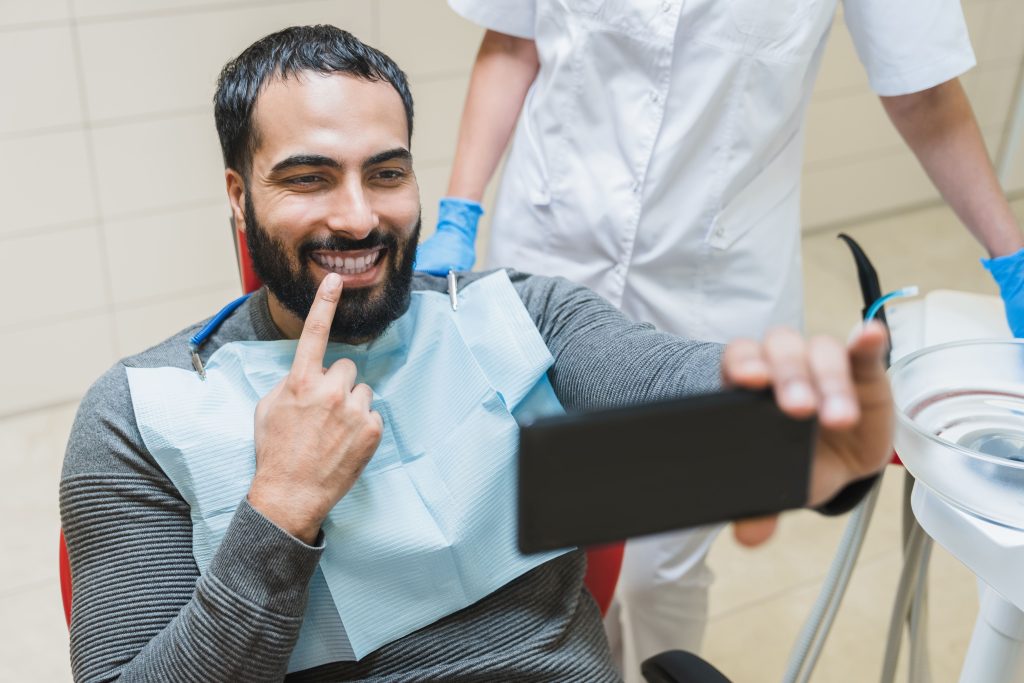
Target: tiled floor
x=760, y=598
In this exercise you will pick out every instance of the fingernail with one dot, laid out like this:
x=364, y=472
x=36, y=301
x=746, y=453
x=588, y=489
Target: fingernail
x=333, y=281
x=750, y=368
x=855, y=333
x=798, y=393
x=838, y=408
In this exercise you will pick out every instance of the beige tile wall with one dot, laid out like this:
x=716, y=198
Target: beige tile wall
x=115, y=234
x=856, y=164
x=115, y=230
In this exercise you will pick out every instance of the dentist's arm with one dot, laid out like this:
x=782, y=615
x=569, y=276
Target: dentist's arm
x=940, y=128
x=504, y=69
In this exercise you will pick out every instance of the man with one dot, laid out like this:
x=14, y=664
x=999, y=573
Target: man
x=315, y=128
x=657, y=161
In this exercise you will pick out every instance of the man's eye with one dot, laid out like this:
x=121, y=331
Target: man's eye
x=391, y=174
x=305, y=180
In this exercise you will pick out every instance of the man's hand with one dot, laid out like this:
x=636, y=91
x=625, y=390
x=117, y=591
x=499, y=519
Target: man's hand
x=846, y=388
x=314, y=431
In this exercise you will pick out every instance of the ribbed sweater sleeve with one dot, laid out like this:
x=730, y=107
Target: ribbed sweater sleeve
x=604, y=359
x=141, y=611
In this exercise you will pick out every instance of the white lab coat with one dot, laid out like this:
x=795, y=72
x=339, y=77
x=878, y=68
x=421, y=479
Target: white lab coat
x=657, y=158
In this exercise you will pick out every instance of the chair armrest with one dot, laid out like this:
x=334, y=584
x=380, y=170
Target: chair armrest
x=676, y=666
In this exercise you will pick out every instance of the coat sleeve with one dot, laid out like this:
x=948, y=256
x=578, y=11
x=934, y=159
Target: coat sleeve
x=910, y=45
x=514, y=17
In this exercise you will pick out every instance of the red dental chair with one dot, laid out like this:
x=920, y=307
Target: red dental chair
x=603, y=563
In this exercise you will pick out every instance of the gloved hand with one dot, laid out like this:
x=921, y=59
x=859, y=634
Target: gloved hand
x=452, y=246
x=1008, y=272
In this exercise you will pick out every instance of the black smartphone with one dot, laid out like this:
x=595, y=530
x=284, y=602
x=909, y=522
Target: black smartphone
x=607, y=475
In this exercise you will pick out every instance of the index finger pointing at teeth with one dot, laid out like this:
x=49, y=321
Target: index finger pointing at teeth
x=309, y=354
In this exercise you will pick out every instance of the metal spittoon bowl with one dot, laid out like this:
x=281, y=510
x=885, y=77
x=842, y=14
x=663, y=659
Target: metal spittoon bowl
x=960, y=424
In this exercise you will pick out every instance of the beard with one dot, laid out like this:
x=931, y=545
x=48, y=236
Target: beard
x=363, y=313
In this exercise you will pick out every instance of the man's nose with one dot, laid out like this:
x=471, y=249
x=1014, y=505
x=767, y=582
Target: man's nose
x=352, y=212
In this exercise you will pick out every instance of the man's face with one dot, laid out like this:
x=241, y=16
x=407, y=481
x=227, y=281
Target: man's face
x=331, y=188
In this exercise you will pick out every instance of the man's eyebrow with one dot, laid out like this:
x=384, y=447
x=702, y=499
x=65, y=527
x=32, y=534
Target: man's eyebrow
x=304, y=160
x=396, y=153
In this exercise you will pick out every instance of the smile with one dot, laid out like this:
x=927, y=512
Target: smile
x=347, y=262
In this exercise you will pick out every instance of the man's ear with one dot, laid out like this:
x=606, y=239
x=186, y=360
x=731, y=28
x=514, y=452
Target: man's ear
x=236, y=197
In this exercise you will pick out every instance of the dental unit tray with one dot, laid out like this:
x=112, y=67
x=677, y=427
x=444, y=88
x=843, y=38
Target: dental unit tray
x=960, y=424
x=603, y=476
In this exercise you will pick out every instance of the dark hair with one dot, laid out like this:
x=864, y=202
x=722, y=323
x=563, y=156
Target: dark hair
x=323, y=49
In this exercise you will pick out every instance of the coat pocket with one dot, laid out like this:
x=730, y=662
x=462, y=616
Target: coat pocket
x=773, y=185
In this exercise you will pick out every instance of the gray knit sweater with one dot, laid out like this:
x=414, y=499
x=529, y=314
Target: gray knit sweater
x=141, y=610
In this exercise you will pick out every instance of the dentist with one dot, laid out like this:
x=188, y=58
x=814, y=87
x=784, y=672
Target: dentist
x=656, y=149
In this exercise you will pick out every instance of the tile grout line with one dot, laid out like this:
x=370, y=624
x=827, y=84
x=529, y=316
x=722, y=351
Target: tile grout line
x=851, y=158
x=49, y=229
x=33, y=25
x=124, y=307
x=136, y=214
x=430, y=78
x=135, y=305
x=109, y=122
x=41, y=408
x=23, y=133
x=16, y=591
x=164, y=210
x=46, y=407
x=90, y=146
x=885, y=214
x=164, y=12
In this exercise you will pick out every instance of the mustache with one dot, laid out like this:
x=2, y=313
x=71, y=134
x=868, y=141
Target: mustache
x=375, y=239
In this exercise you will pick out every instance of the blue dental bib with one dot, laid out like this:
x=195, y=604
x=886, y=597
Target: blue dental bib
x=429, y=527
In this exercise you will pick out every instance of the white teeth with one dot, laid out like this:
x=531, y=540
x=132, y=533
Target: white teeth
x=347, y=265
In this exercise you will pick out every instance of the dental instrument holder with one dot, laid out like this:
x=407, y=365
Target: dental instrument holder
x=870, y=287
x=811, y=639
x=994, y=552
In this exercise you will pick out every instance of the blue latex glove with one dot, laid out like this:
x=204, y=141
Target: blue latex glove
x=1008, y=272
x=452, y=246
